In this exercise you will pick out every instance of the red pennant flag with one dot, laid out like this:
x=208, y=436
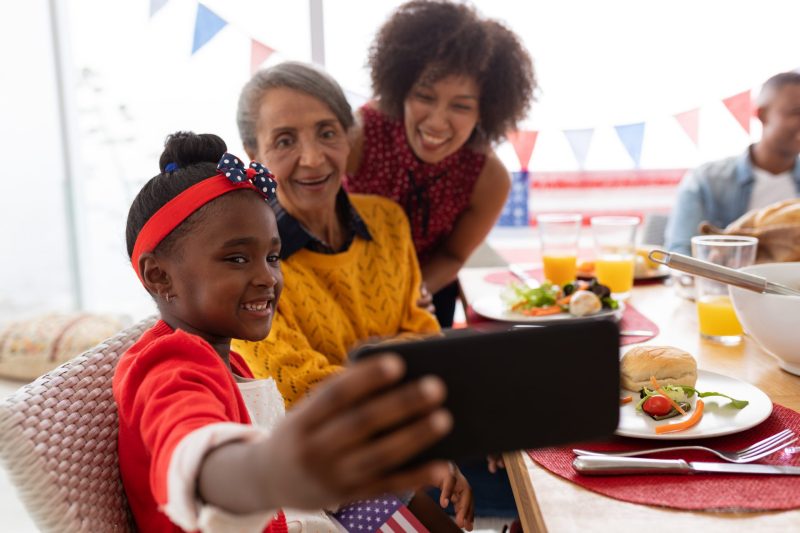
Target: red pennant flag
x=741, y=108
x=689, y=121
x=523, y=142
x=259, y=53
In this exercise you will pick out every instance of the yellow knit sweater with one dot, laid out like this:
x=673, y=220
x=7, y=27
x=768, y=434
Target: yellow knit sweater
x=331, y=302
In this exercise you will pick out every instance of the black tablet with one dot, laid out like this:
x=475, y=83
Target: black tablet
x=520, y=388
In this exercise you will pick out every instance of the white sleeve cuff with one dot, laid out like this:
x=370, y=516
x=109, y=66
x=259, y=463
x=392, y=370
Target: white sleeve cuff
x=183, y=506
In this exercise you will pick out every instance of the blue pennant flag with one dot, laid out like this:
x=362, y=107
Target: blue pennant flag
x=631, y=136
x=579, y=141
x=155, y=5
x=206, y=25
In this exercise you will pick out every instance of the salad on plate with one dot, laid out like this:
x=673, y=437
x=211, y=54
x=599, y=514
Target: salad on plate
x=579, y=298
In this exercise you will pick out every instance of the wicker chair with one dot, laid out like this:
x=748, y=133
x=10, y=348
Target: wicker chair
x=58, y=441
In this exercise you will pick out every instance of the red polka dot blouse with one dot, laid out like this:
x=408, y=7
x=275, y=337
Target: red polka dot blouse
x=432, y=195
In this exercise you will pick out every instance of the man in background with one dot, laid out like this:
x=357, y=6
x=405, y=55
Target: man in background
x=721, y=191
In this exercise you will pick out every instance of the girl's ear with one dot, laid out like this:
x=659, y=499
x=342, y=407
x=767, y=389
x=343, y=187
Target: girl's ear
x=156, y=279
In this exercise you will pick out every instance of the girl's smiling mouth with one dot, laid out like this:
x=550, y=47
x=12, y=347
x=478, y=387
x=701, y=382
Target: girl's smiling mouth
x=259, y=307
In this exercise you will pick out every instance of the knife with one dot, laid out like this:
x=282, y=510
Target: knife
x=523, y=276
x=612, y=466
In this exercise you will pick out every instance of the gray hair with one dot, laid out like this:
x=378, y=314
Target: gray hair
x=293, y=75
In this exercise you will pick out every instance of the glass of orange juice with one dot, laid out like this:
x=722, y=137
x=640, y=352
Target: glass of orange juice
x=715, y=314
x=558, y=234
x=615, y=251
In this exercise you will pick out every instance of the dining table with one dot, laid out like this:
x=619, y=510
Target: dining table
x=547, y=502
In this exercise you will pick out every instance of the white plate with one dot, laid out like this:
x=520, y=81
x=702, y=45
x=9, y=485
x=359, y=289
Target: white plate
x=654, y=273
x=661, y=272
x=719, y=417
x=493, y=307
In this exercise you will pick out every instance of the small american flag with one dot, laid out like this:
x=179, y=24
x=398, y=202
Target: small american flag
x=386, y=514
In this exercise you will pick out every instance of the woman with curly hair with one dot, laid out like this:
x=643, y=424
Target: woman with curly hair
x=448, y=84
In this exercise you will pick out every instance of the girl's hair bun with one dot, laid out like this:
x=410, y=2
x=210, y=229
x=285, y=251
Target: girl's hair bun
x=185, y=148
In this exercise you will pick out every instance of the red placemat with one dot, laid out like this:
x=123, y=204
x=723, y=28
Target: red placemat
x=711, y=492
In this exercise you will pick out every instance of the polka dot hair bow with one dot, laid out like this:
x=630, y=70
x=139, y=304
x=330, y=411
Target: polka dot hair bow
x=256, y=174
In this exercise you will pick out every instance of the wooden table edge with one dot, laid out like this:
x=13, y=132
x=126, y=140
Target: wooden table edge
x=524, y=495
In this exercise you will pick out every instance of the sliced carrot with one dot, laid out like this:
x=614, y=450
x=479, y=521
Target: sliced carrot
x=665, y=395
x=626, y=399
x=542, y=311
x=686, y=424
x=565, y=300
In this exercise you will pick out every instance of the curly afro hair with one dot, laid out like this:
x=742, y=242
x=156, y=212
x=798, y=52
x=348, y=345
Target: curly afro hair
x=436, y=39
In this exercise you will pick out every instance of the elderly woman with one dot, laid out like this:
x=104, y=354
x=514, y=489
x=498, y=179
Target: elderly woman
x=448, y=84
x=349, y=267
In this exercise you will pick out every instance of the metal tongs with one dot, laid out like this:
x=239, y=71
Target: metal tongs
x=720, y=273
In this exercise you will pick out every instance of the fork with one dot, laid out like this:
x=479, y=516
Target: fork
x=752, y=453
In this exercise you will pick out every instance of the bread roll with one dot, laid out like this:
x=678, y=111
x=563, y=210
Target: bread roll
x=670, y=366
x=776, y=214
x=786, y=212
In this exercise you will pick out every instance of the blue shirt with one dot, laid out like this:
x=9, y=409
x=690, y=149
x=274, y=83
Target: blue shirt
x=717, y=192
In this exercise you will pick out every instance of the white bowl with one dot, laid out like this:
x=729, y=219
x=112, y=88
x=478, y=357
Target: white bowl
x=773, y=320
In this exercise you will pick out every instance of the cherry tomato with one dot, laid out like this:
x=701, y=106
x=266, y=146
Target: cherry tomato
x=656, y=406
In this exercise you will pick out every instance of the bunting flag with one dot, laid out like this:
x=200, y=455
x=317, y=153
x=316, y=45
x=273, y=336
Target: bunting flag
x=523, y=143
x=741, y=108
x=690, y=121
x=206, y=25
x=631, y=136
x=259, y=52
x=579, y=141
x=155, y=5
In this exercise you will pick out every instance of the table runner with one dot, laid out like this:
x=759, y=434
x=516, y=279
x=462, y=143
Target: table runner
x=709, y=492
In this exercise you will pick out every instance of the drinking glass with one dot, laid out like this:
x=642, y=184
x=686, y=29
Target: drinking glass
x=615, y=253
x=558, y=234
x=715, y=314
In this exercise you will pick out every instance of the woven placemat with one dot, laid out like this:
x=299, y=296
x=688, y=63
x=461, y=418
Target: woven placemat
x=710, y=492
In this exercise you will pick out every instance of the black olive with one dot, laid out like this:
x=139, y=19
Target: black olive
x=568, y=289
x=600, y=290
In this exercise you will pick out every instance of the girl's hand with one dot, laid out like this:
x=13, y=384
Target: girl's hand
x=455, y=488
x=495, y=463
x=345, y=442
x=426, y=299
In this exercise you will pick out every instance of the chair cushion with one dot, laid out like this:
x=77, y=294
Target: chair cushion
x=29, y=348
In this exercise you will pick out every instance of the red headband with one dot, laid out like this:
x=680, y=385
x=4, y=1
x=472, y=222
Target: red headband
x=231, y=177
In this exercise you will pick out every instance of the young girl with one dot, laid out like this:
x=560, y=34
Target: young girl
x=201, y=446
